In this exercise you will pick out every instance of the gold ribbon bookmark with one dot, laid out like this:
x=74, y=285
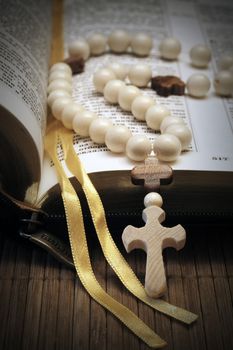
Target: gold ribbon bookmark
x=110, y=250
x=80, y=252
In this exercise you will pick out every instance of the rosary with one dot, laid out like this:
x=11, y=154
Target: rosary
x=121, y=85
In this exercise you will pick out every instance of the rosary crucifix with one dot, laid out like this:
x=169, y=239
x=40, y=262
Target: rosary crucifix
x=153, y=237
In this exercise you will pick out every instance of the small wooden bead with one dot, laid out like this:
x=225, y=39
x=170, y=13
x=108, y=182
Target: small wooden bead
x=56, y=94
x=200, y=56
x=98, y=129
x=138, y=147
x=69, y=113
x=116, y=138
x=120, y=70
x=170, y=48
x=58, y=106
x=167, y=147
x=126, y=96
x=60, y=84
x=155, y=115
x=76, y=64
x=79, y=48
x=140, y=106
x=141, y=44
x=60, y=74
x=225, y=62
x=182, y=132
x=61, y=66
x=140, y=74
x=101, y=77
x=119, y=41
x=153, y=198
x=223, y=83
x=168, y=121
x=82, y=121
x=198, y=85
x=97, y=43
x=111, y=90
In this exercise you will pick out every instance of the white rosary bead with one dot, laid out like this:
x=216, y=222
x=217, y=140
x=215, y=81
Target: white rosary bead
x=79, y=48
x=97, y=43
x=126, y=96
x=223, y=83
x=198, y=85
x=58, y=106
x=155, y=115
x=101, y=77
x=169, y=120
x=120, y=70
x=119, y=41
x=56, y=94
x=82, y=121
x=182, y=132
x=69, y=113
x=140, y=106
x=60, y=84
x=141, y=44
x=116, y=138
x=98, y=129
x=170, y=48
x=153, y=198
x=167, y=147
x=200, y=56
x=60, y=74
x=138, y=147
x=61, y=66
x=111, y=90
x=225, y=62
x=140, y=74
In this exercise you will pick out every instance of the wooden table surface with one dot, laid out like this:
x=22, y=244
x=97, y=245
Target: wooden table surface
x=44, y=306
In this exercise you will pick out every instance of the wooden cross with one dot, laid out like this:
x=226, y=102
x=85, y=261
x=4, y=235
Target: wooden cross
x=151, y=174
x=153, y=238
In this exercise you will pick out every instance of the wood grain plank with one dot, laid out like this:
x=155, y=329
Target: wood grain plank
x=48, y=319
x=65, y=314
x=231, y=288
x=23, y=260
x=32, y=314
x=15, y=324
x=52, y=268
x=5, y=297
x=186, y=255
x=180, y=332
x=193, y=304
x=217, y=262
x=227, y=244
x=172, y=263
x=114, y=326
x=200, y=248
x=130, y=341
x=98, y=319
x=81, y=318
x=210, y=314
x=38, y=261
x=224, y=302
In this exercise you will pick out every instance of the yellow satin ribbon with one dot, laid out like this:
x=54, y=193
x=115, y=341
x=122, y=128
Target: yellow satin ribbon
x=80, y=252
x=110, y=250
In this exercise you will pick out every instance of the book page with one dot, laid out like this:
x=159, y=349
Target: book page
x=192, y=22
x=25, y=40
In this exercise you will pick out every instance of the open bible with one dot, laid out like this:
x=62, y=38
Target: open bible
x=203, y=175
